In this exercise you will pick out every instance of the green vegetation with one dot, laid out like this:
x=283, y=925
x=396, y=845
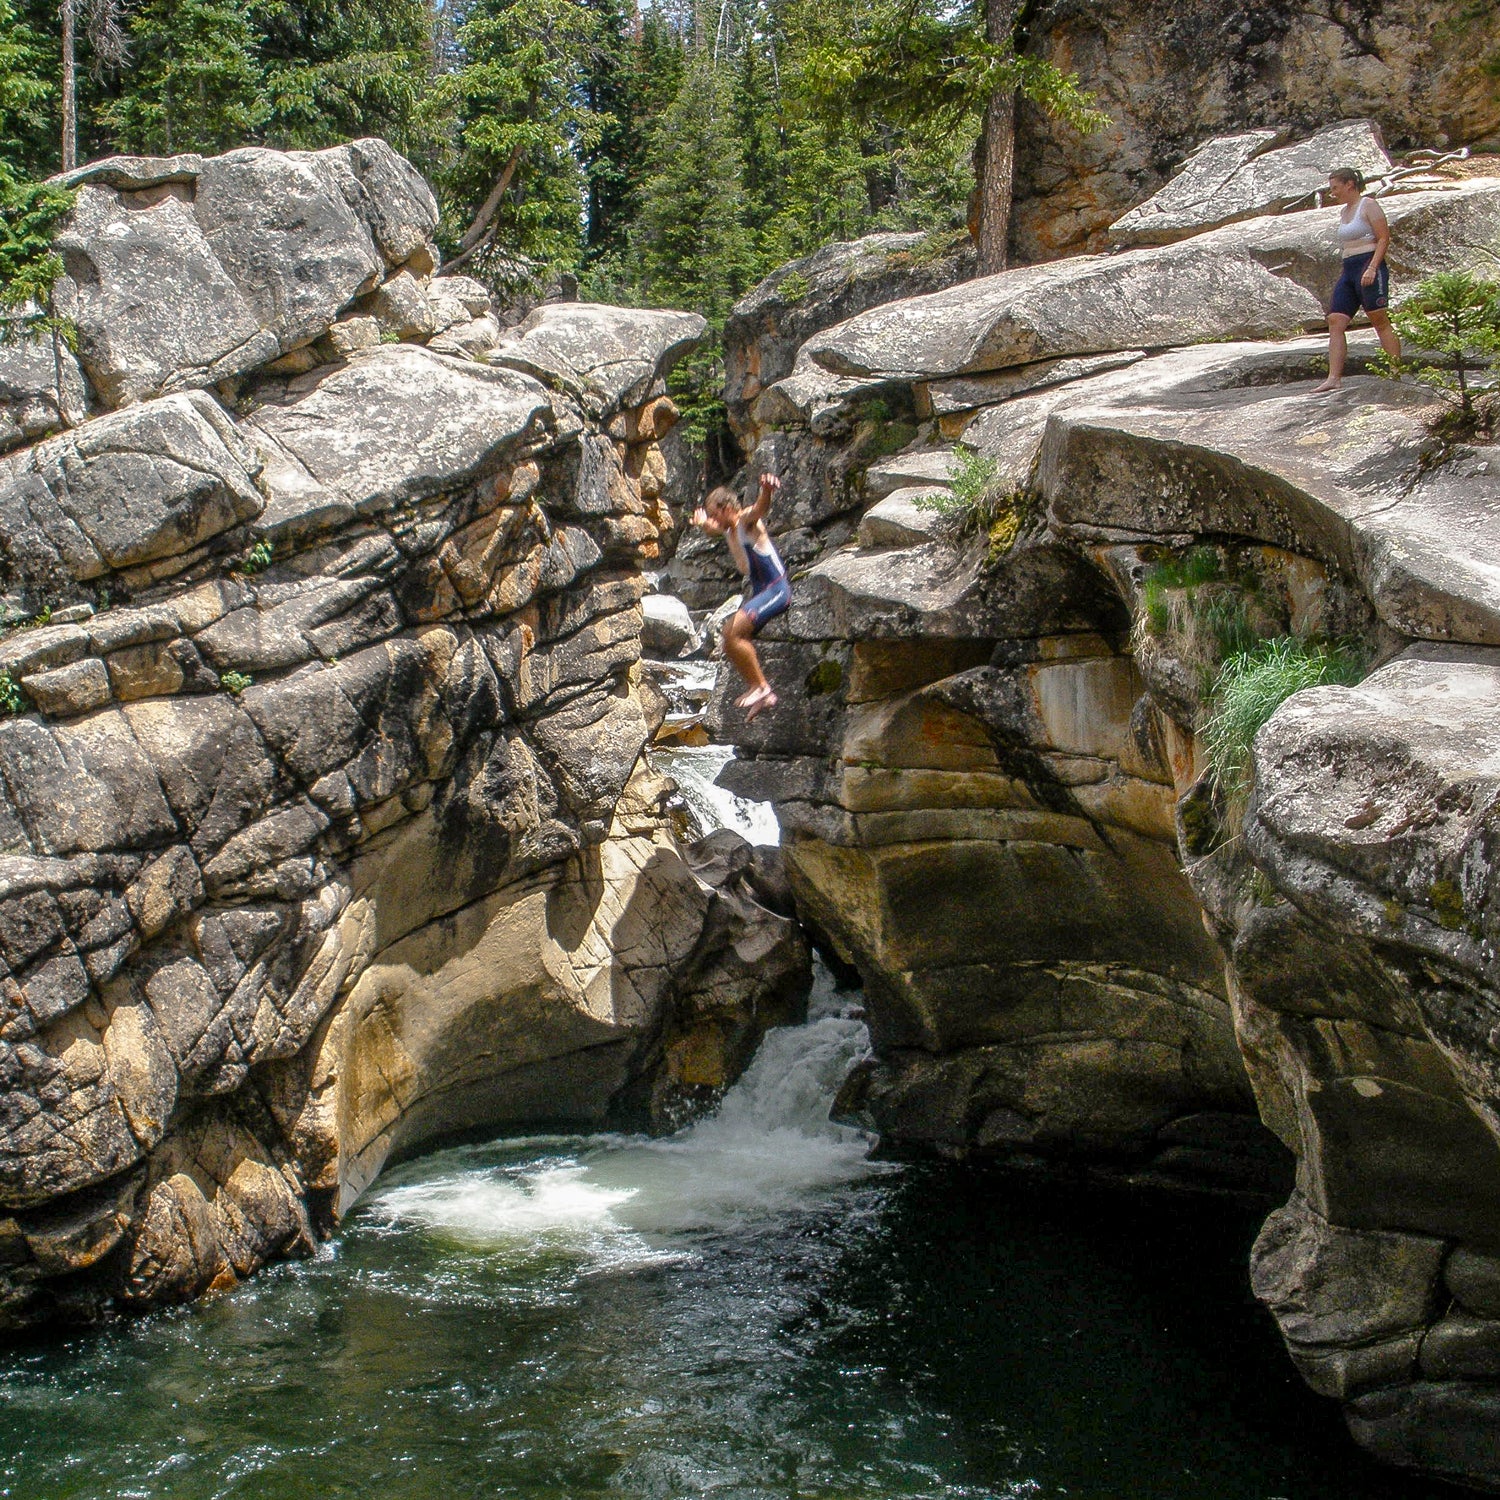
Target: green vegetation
x=793, y=287
x=1201, y=612
x=1251, y=685
x=12, y=699
x=826, y=677
x=257, y=559
x=977, y=503
x=1451, y=327
x=235, y=683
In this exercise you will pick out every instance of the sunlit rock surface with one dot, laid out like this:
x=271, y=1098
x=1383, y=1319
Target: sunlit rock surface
x=324, y=830
x=987, y=765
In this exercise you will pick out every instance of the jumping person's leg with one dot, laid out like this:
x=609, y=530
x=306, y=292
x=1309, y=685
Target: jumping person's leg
x=739, y=644
x=739, y=647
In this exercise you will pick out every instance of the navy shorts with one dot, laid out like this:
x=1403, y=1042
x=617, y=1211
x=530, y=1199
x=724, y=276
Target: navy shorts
x=769, y=602
x=1350, y=294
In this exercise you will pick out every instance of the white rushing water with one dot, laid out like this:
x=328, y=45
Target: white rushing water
x=613, y=1202
x=695, y=768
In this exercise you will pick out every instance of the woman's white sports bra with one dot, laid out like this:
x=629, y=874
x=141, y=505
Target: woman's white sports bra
x=1356, y=234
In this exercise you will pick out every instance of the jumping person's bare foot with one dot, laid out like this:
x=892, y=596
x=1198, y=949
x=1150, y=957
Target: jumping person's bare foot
x=1321, y=390
x=760, y=703
x=749, y=696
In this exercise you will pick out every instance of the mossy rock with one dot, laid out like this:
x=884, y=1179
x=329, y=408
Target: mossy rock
x=826, y=677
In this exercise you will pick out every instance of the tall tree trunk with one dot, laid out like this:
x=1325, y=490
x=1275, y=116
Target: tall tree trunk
x=69, y=91
x=996, y=153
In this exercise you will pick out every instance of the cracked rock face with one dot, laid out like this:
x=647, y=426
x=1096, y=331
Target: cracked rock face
x=988, y=767
x=323, y=826
x=1171, y=75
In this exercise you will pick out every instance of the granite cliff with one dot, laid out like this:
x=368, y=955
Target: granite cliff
x=324, y=828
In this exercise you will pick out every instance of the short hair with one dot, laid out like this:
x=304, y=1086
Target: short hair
x=720, y=494
x=1352, y=175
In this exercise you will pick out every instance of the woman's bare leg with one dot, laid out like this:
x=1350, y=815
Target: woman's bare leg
x=740, y=649
x=1338, y=352
x=1390, y=340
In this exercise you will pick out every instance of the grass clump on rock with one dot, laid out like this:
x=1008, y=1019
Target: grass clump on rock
x=977, y=503
x=1252, y=684
x=1201, y=613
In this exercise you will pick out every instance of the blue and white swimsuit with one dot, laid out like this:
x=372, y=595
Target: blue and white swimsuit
x=770, y=588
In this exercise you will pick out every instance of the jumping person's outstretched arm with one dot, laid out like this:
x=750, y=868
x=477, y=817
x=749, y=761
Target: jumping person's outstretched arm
x=705, y=522
x=769, y=485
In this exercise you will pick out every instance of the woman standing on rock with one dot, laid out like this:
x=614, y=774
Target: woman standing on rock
x=1364, y=237
x=770, y=590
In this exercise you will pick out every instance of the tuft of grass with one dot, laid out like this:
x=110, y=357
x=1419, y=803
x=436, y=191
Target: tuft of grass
x=235, y=683
x=12, y=699
x=977, y=503
x=1252, y=685
x=1195, y=608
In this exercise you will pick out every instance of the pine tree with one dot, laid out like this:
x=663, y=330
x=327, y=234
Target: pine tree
x=338, y=69
x=518, y=127
x=195, y=82
x=692, y=248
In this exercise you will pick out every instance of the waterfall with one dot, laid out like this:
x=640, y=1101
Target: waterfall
x=694, y=769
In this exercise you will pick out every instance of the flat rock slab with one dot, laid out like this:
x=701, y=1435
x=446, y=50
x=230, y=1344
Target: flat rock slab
x=607, y=357
x=901, y=520
x=183, y=271
x=41, y=386
x=396, y=424
x=1265, y=278
x=1239, y=177
x=1197, y=444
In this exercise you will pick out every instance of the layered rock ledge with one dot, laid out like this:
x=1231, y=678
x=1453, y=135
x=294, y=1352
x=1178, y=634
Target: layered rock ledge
x=988, y=767
x=324, y=827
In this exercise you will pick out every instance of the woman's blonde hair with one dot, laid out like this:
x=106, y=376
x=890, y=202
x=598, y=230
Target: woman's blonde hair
x=720, y=494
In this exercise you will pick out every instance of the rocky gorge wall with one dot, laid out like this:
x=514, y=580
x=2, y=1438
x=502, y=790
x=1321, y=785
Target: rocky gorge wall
x=995, y=799
x=324, y=827
x=1171, y=73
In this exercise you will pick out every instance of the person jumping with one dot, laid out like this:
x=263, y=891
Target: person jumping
x=770, y=591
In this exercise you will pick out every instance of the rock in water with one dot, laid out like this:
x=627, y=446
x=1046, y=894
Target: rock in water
x=667, y=628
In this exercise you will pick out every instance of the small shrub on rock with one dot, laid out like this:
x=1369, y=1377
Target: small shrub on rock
x=257, y=559
x=1450, y=326
x=977, y=503
x=12, y=699
x=235, y=683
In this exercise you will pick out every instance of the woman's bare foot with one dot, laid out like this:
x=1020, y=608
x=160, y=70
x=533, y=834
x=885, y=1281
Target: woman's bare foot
x=1328, y=385
x=749, y=696
x=759, y=704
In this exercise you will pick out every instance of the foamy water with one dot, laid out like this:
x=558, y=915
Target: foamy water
x=618, y=1201
x=695, y=768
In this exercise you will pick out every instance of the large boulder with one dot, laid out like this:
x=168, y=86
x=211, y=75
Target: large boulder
x=131, y=490
x=1241, y=177
x=605, y=357
x=184, y=271
x=773, y=321
x=1267, y=278
x=392, y=425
